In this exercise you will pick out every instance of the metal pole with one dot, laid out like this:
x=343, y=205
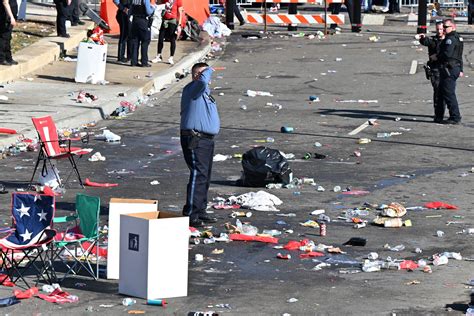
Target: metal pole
x=265, y=16
x=292, y=9
x=325, y=17
x=422, y=10
x=470, y=9
x=229, y=13
x=356, y=16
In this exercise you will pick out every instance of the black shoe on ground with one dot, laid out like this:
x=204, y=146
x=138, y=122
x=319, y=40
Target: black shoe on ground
x=12, y=62
x=196, y=223
x=207, y=218
x=452, y=122
x=4, y=63
x=144, y=65
x=438, y=121
x=65, y=35
x=123, y=60
x=242, y=23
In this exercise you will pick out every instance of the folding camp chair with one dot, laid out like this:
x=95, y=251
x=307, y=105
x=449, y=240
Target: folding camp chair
x=27, y=247
x=77, y=251
x=52, y=148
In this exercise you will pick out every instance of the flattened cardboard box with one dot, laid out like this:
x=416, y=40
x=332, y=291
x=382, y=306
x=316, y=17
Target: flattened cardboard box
x=116, y=208
x=154, y=255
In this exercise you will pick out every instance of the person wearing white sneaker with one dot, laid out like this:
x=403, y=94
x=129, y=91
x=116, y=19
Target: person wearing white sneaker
x=170, y=28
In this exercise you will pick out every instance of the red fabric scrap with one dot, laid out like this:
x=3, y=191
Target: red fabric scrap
x=7, y=131
x=311, y=254
x=295, y=245
x=99, y=185
x=6, y=281
x=440, y=205
x=19, y=294
x=102, y=251
x=408, y=265
x=58, y=296
x=242, y=237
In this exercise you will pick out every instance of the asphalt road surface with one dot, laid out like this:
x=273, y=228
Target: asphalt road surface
x=355, y=79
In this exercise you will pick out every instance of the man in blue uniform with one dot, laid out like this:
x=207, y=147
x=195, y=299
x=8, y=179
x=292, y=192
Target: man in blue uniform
x=433, y=67
x=199, y=125
x=450, y=58
x=140, y=35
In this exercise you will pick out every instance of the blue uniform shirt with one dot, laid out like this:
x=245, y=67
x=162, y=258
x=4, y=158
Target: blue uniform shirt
x=198, y=111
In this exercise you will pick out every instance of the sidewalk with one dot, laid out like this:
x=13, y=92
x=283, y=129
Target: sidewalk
x=46, y=85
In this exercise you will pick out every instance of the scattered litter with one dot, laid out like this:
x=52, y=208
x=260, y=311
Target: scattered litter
x=97, y=157
x=154, y=182
x=108, y=136
x=292, y=300
x=440, y=205
x=220, y=157
x=252, y=93
x=99, y=185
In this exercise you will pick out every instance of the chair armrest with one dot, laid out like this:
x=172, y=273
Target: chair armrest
x=64, y=219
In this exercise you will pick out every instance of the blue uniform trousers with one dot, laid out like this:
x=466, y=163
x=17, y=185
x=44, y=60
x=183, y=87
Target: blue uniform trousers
x=199, y=161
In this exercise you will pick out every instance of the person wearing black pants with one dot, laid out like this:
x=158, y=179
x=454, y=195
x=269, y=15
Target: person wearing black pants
x=63, y=8
x=124, y=25
x=170, y=28
x=335, y=8
x=140, y=35
x=8, y=16
x=75, y=13
x=199, y=125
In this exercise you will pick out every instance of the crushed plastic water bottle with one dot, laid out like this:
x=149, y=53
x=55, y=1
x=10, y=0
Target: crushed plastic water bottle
x=128, y=301
x=440, y=233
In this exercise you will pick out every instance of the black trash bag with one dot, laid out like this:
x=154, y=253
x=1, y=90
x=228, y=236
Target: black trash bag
x=262, y=166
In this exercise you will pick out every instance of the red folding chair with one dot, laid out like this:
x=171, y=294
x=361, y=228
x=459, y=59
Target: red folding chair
x=52, y=148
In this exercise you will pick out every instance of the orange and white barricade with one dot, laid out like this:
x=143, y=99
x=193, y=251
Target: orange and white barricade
x=256, y=18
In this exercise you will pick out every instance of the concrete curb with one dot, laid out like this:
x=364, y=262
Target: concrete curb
x=101, y=112
x=41, y=53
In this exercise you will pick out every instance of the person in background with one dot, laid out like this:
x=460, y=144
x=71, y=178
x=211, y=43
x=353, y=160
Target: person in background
x=433, y=66
x=237, y=13
x=75, y=20
x=171, y=27
x=450, y=59
x=8, y=15
x=335, y=8
x=199, y=125
x=122, y=16
x=62, y=12
x=140, y=36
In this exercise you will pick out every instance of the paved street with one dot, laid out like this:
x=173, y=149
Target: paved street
x=356, y=80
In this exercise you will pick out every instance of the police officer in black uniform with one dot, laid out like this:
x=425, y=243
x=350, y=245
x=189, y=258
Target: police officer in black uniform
x=123, y=19
x=140, y=36
x=63, y=11
x=8, y=16
x=433, y=66
x=450, y=58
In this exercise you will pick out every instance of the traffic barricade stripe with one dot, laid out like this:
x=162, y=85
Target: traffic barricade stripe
x=256, y=18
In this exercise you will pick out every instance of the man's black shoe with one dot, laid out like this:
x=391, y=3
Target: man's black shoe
x=144, y=65
x=196, y=223
x=65, y=35
x=5, y=63
x=439, y=121
x=81, y=22
x=207, y=218
x=242, y=23
x=452, y=122
x=12, y=62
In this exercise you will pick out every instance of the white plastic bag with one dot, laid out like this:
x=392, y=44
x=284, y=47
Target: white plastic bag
x=48, y=178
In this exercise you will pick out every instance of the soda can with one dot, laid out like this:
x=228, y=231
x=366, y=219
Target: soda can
x=156, y=302
x=322, y=229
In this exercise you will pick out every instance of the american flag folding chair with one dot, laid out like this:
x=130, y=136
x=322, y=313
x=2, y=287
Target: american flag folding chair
x=52, y=148
x=28, y=247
